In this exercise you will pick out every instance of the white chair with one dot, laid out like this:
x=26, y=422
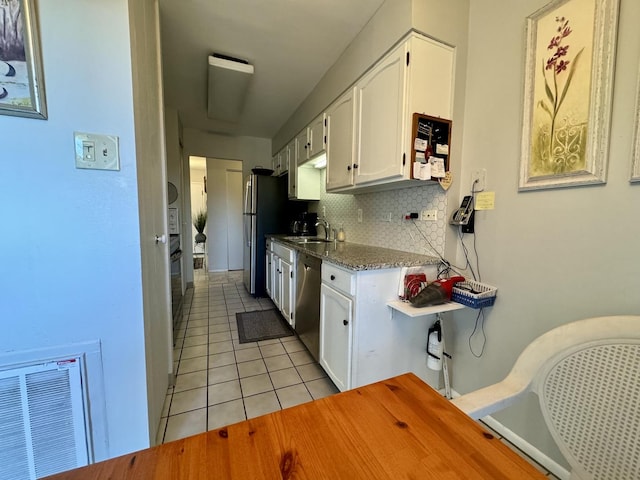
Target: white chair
x=587, y=377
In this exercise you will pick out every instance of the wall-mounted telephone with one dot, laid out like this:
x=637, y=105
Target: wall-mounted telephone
x=463, y=214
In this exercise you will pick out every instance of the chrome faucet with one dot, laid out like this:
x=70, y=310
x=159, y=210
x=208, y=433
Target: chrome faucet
x=323, y=222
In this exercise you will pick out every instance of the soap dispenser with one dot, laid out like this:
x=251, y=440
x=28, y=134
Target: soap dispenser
x=341, y=237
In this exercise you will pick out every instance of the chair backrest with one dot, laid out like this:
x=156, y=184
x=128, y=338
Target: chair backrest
x=587, y=377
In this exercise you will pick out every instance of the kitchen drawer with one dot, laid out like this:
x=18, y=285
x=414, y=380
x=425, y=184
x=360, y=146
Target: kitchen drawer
x=338, y=278
x=286, y=253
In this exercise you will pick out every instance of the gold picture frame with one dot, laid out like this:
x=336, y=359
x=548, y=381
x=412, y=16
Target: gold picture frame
x=568, y=91
x=21, y=79
x=635, y=158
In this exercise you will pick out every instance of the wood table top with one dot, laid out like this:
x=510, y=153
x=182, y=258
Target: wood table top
x=397, y=428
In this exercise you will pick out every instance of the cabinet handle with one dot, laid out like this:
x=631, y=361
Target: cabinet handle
x=333, y=277
x=348, y=167
x=355, y=165
x=345, y=322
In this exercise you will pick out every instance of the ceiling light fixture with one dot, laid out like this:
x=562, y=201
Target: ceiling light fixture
x=228, y=81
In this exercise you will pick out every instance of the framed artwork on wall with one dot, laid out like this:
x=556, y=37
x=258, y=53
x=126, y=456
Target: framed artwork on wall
x=568, y=85
x=635, y=158
x=21, y=79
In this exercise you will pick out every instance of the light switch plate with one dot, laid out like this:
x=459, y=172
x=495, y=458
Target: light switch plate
x=98, y=152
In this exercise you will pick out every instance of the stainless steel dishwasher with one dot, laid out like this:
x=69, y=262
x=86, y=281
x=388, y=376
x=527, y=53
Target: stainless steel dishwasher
x=308, y=302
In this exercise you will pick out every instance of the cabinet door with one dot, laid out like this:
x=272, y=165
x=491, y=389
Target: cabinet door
x=302, y=147
x=287, y=294
x=336, y=327
x=317, y=136
x=285, y=159
x=381, y=115
x=340, y=141
x=430, y=94
x=276, y=286
x=268, y=273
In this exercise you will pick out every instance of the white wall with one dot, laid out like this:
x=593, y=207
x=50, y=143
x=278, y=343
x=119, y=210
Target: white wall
x=70, y=263
x=556, y=255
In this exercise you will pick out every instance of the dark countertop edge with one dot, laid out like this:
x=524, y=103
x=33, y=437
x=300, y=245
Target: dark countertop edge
x=402, y=258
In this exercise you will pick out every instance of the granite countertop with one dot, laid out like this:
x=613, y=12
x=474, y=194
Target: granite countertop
x=355, y=256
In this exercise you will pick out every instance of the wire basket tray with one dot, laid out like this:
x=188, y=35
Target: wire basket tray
x=474, y=294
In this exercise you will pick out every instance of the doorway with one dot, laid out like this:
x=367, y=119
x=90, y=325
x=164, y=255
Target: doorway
x=198, y=175
x=216, y=186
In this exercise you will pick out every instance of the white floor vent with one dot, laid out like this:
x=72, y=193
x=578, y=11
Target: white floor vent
x=42, y=420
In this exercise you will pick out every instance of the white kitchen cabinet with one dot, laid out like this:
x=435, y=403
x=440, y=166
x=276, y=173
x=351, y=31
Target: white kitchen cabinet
x=340, y=141
x=285, y=159
x=287, y=291
x=380, y=118
x=283, y=288
x=336, y=329
x=304, y=179
x=317, y=136
x=276, y=284
x=268, y=268
x=374, y=344
x=280, y=161
x=277, y=163
x=302, y=146
x=416, y=76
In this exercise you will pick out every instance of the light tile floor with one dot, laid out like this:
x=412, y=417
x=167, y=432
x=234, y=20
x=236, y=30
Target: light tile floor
x=220, y=381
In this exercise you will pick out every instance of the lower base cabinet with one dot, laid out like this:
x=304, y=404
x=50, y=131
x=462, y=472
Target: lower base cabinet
x=361, y=340
x=282, y=262
x=336, y=327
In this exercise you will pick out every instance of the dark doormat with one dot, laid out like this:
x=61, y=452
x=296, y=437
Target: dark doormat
x=261, y=325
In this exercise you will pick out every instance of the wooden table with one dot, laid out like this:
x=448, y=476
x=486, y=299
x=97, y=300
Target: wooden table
x=394, y=429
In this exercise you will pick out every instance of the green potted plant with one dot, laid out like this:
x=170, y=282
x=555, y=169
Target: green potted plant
x=199, y=222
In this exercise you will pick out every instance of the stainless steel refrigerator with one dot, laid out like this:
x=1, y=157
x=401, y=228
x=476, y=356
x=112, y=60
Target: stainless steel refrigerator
x=264, y=212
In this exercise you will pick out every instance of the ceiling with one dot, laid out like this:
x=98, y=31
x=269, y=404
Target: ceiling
x=291, y=44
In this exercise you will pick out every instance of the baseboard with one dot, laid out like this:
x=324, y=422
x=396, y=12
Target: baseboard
x=544, y=460
x=515, y=439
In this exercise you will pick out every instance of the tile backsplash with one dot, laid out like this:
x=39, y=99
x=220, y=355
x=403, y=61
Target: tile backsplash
x=376, y=229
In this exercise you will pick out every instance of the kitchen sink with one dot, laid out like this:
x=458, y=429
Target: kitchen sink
x=306, y=240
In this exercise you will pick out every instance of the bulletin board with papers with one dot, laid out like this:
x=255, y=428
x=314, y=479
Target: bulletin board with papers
x=431, y=140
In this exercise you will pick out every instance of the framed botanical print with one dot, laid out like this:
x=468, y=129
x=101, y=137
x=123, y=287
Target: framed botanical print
x=568, y=93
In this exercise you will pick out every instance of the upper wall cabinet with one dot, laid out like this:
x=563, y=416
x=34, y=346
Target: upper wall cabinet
x=292, y=178
x=304, y=180
x=340, y=141
x=380, y=106
x=281, y=161
x=416, y=76
x=317, y=136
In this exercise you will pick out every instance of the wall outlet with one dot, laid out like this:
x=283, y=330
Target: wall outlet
x=480, y=175
x=429, y=215
x=359, y=215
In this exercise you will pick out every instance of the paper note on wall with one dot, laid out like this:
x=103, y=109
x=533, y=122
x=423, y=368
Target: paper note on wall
x=437, y=167
x=485, y=201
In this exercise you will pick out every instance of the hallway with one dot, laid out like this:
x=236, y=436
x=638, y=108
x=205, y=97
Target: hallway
x=220, y=381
